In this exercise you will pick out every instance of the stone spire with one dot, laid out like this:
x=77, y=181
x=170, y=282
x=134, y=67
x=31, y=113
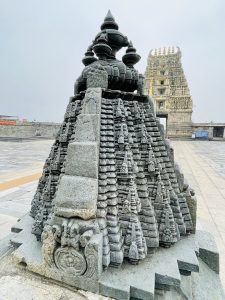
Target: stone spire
x=109, y=192
x=109, y=22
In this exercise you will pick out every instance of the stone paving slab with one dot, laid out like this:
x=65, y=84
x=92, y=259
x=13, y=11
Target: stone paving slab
x=17, y=284
x=19, y=159
x=203, y=163
x=14, y=203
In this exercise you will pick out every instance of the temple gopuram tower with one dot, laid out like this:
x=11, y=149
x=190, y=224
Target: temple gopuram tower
x=166, y=83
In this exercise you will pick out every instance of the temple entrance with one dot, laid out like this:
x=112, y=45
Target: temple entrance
x=163, y=120
x=218, y=132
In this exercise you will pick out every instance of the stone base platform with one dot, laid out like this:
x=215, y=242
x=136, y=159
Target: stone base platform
x=188, y=270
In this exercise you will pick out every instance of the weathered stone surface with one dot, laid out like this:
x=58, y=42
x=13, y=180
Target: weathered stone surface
x=92, y=101
x=87, y=128
x=206, y=285
x=76, y=197
x=208, y=251
x=30, y=252
x=156, y=279
x=180, y=176
x=82, y=159
x=192, y=205
x=97, y=77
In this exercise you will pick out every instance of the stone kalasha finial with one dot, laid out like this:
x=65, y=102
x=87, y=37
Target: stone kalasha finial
x=109, y=22
x=116, y=40
x=131, y=57
x=101, y=48
x=121, y=75
x=89, y=57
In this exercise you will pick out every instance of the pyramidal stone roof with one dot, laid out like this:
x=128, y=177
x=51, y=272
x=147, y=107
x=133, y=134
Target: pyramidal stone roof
x=110, y=191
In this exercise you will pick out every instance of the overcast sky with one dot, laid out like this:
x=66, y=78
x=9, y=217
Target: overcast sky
x=43, y=43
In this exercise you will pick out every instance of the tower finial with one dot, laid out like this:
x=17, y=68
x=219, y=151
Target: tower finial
x=109, y=22
x=109, y=16
x=131, y=57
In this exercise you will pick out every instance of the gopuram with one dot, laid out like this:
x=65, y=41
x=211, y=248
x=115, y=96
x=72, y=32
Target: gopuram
x=165, y=81
x=112, y=213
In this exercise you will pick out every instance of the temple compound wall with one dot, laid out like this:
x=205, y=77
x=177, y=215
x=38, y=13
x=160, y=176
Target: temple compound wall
x=29, y=130
x=166, y=83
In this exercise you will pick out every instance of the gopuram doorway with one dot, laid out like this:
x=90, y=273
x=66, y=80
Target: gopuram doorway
x=163, y=118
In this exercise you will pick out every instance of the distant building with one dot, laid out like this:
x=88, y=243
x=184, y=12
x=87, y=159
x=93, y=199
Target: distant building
x=8, y=120
x=166, y=83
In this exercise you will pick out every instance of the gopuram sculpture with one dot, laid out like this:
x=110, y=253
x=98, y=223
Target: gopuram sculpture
x=112, y=213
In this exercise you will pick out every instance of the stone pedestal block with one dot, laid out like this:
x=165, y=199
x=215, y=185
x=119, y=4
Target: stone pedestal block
x=87, y=128
x=76, y=197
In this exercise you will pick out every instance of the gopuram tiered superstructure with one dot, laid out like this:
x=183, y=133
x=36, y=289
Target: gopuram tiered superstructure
x=112, y=213
x=166, y=83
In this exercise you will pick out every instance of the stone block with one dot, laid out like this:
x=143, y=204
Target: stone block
x=97, y=77
x=208, y=251
x=92, y=101
x=192, y=205
x=76, y=197
x=180, y=176
x=87, y=128
x=82, y=159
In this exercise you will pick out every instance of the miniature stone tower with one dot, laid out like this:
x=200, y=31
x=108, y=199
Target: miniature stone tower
x=165, y=82
x=110, y=203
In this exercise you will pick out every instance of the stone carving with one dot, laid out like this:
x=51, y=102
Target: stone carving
x=49, y=240
x=71, y=261
x=109, y=191
x=97, y=77
x=69, y=246
x=91, y=105
x=177, y=103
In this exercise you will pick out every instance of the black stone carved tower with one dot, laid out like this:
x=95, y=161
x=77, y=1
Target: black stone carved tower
x=109, y=193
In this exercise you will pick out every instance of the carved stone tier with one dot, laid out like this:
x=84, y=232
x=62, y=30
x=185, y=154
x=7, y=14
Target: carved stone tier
x=188, y=270
x=118, y=172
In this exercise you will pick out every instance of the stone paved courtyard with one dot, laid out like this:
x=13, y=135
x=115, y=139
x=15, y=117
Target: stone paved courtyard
x=19, y=159
x=202, y=162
